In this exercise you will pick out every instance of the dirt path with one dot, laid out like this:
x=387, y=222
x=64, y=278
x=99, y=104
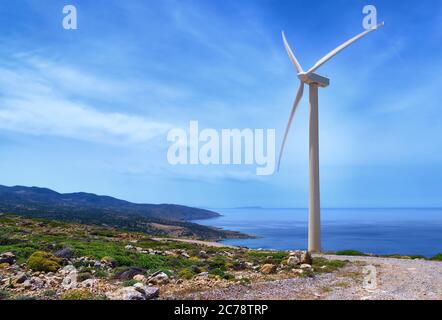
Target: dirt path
x=396, y=279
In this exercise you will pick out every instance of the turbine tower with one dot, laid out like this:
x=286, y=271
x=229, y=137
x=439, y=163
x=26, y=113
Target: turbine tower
x=314, y=81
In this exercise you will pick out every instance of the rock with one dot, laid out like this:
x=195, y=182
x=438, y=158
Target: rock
x=70, y=280
x=306, y=258
x=306, y=266
x=27, y=284
x=159, y=278
x=68, y=269
x=7, y=257
x=293, y=261
x=109, y=262
x=298, y=271
x=65, y=253
x=21, y=277
x=128, y=274
x=129, y=247
x=37, y=283
x=151, y=292
x=89, y=283
x=268, y=268
x=139, y=278
x=128, y=293
x=203, y=254
x=202, y=275
x=136, y=292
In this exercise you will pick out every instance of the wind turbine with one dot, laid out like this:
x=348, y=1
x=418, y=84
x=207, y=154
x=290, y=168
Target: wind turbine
x=314, y=81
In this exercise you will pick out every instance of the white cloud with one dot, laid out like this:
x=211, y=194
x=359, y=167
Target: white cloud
x=32, y=103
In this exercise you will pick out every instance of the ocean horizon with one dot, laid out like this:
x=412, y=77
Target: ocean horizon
x=404, y=231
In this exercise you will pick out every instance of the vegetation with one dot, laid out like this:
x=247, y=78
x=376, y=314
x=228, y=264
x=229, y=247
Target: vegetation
x=80, y=294
x=43, y=261
x=160, y=220
x=350, y=253
x=437, y=257
x=322, y=265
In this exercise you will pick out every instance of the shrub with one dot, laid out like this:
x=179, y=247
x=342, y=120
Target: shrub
x=4, y=294
x=80, y=294
x=43, y=261
x=350, y=253
x=129, y=283
x=325, y=265
x=217, y=263
x=186, y=274
x=101, y=274
x=217, y=272
x=437, y=257
x=82, y=276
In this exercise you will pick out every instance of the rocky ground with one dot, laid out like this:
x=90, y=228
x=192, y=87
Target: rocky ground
x=48, y=260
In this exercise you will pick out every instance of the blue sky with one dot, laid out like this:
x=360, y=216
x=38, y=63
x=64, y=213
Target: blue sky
x=89, y=110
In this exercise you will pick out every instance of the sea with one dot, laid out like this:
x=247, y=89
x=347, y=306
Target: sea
x=404, y=231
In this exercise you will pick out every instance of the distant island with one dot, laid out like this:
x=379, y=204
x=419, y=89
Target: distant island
x=157, y=219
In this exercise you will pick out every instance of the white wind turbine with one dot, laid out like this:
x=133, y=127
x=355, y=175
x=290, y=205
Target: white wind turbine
x=314, y=81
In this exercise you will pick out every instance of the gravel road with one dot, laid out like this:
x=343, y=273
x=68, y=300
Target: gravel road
x=396, y=279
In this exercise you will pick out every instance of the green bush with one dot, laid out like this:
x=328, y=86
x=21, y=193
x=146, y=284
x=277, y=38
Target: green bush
x=43, y=261
x=217, y=263
x=350, y=253
x=186, y=274
x=437, y=257
x=129, y=283
x=217, y=272
x=80, y=294
x=325, y=265
x=4, y=294
x=82, y=276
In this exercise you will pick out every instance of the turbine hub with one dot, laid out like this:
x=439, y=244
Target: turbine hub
x=310, y=78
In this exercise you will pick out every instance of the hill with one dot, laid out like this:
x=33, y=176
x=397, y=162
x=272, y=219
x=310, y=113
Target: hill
x=161, y=219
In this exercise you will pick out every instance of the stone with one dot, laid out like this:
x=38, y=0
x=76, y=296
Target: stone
x=159, y=278
x=306, y=266
x=21, y=277
x=70, y=279
x=293, y=261
x=65, y=253
x=128, y=293
x=128, y=274
x=268, y=268
x=203, y=254
x=306, y=258
x=37, y=283
x=139, y=278
x=7, y=257
x=298, y=271
x=89, y=283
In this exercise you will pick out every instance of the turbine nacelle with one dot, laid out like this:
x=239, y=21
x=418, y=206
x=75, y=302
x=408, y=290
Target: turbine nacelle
x=313, y=78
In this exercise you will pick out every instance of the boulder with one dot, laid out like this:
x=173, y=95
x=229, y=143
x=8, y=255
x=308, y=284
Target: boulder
x=306, y=266
x=268, y=268
x=7, y=257
x=65, y=253
x=89, y=283
x=137, y=292
x=293, y=261
x=128, y=274
x=159, y=278
x=306, y=258
x=147, y=291
x=71, y=277
x=21, y=277
x=140, y=278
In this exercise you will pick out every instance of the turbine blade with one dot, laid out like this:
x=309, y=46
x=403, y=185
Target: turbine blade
x=291, y=55
x=342, y=47
x=292, y=113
